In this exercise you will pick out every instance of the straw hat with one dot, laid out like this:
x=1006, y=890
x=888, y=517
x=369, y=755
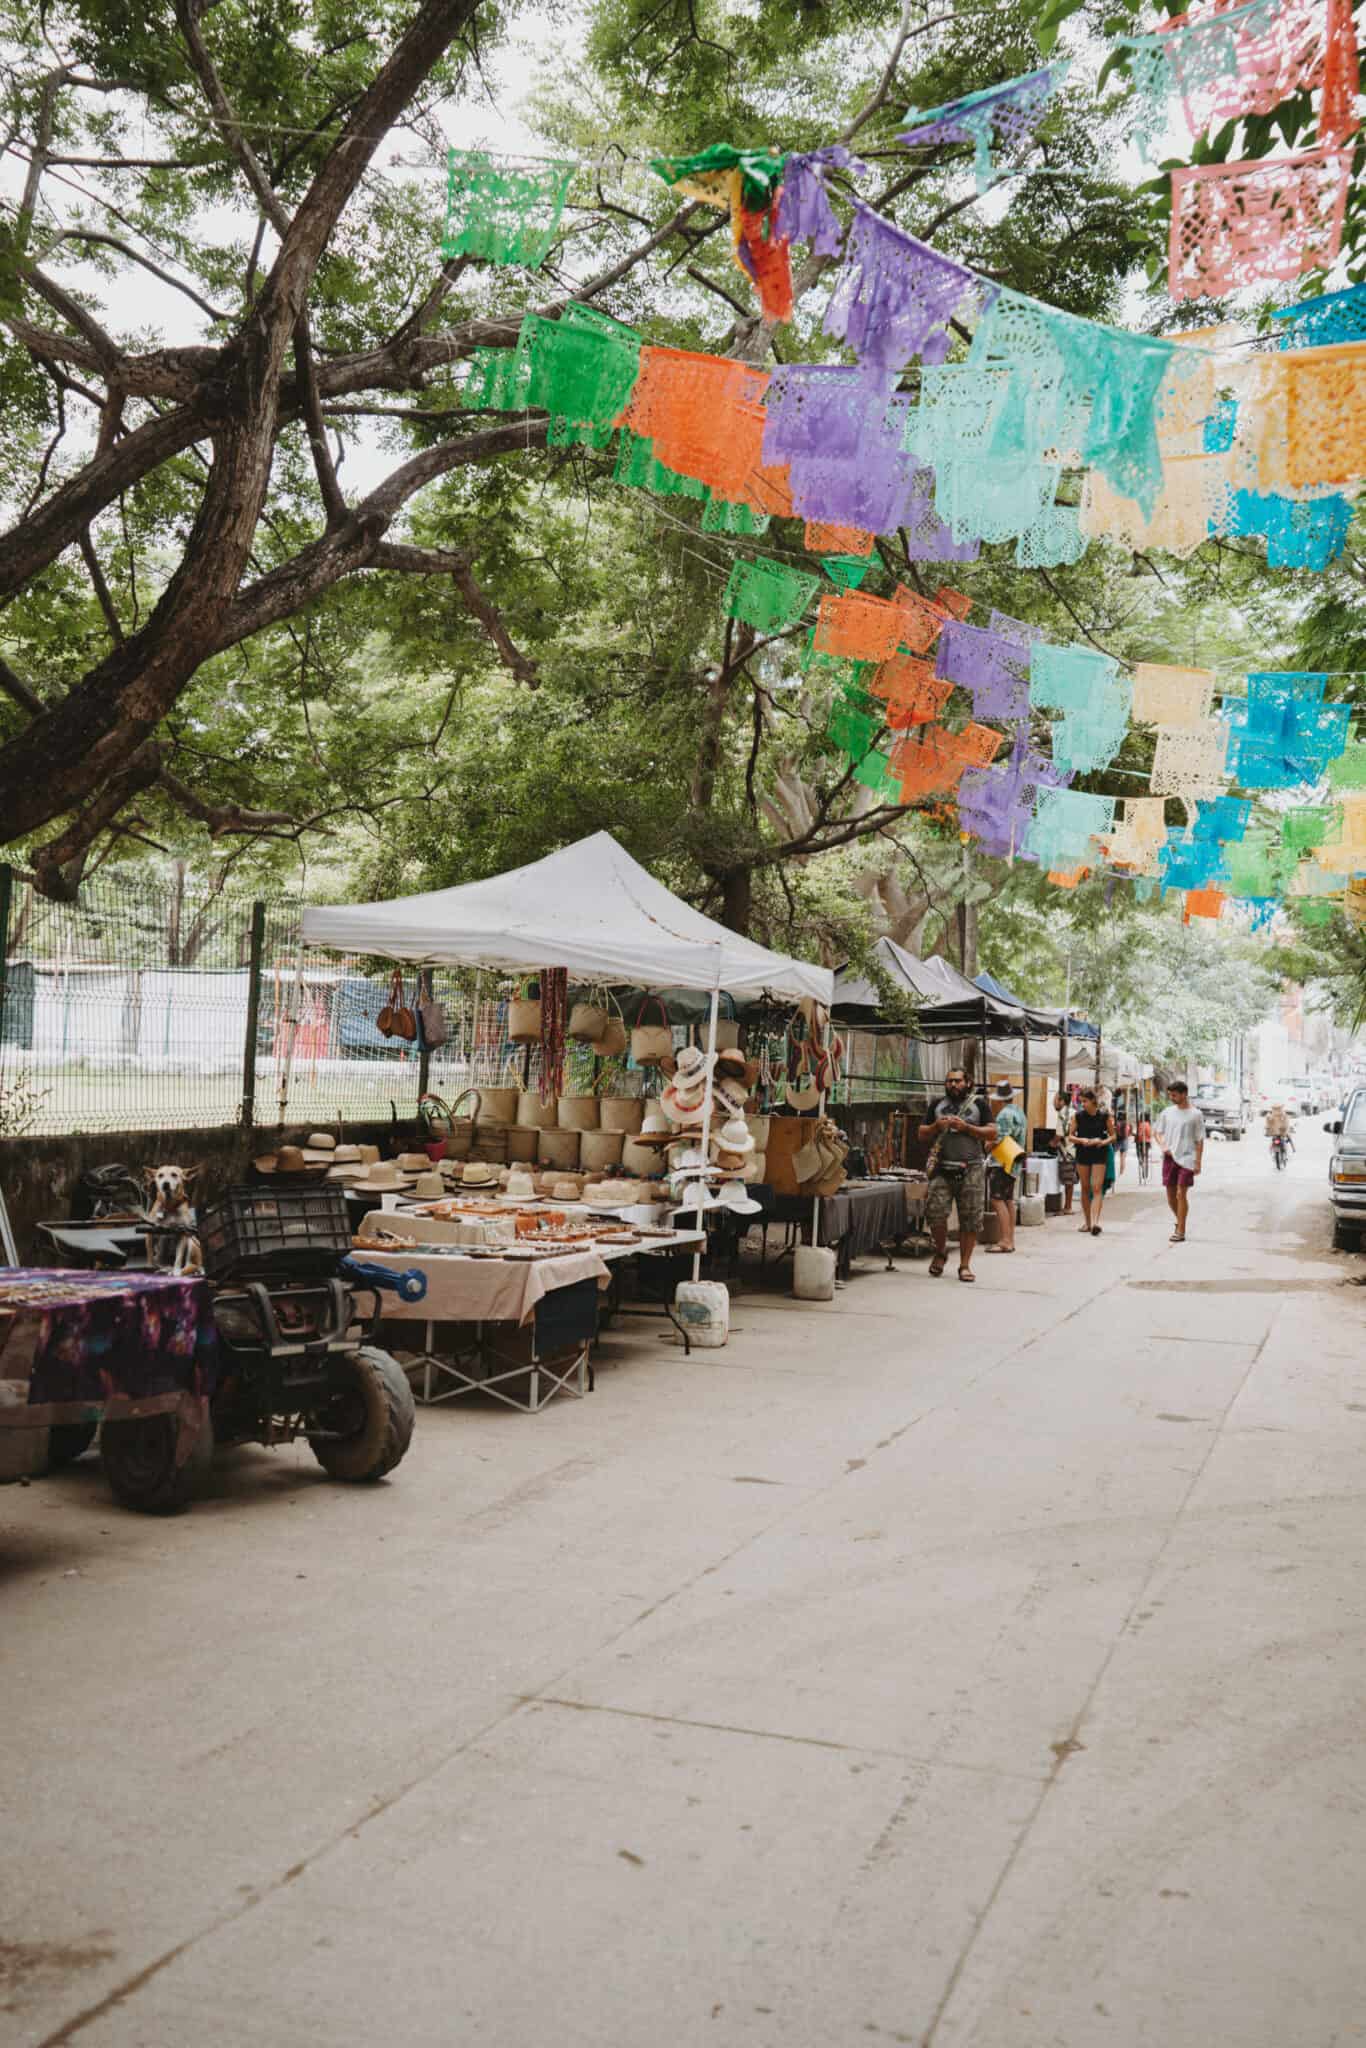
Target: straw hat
x=616, y=1194
x=732, y=1196
x=734, y=1138
x=320, y=1148
x=382, y=1173
x=346, y=1155
x=429, y=1187
x=290, y=1159
x=564, y=1190
x=691, y=1069
x=369, y=1154
x=475, y=1174
x=413, y=1162
x=656, y=1124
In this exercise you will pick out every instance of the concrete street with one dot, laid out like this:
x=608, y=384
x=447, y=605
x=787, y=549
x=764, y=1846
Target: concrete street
x=972, y=1668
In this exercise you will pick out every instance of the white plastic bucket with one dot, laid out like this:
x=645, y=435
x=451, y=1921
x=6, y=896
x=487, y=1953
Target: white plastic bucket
x=703, y=1308
x=813, y=1273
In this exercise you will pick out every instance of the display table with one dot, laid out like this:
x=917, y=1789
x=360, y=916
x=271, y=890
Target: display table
x=555, y=1301
x=865, y=1216
x=1044, y=1167
x=89, y=1347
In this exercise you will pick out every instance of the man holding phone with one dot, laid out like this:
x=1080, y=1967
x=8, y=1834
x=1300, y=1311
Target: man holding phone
x=958, y=1137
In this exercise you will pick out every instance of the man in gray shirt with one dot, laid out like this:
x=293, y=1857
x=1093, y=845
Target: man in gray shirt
x=958, y=1137
x=1180, y=1131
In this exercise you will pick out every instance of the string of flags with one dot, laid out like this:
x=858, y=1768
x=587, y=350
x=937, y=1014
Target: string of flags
x=1051, y=432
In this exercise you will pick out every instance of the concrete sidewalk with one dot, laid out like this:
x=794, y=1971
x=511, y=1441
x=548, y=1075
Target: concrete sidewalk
x=952, y=1666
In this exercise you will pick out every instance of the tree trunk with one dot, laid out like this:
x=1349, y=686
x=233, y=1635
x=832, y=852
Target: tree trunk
x=737, y=899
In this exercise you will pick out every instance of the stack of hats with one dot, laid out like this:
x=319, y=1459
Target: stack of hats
x=683, y=1099
x=730, y=1084
x=733, y=1145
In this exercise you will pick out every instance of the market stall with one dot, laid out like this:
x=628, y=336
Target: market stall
x=592, y=913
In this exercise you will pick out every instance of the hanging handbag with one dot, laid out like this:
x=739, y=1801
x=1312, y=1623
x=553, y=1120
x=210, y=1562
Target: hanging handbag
x=651, y=1044
x=727, y=1025
x=396, y=1020
x=431, y=1016
x=802, y=1092
x=587, y=1021
x=524, y=1013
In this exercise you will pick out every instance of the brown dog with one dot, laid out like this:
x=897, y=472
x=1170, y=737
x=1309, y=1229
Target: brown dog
x=169, y=1188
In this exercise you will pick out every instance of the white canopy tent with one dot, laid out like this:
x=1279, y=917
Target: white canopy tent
x=589, y=908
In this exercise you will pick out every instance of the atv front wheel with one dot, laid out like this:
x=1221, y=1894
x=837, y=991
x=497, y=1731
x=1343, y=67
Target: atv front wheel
x=139, y=1459
x=370, y=1417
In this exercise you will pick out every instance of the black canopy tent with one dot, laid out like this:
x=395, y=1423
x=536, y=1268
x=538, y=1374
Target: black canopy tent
x=949, y=1005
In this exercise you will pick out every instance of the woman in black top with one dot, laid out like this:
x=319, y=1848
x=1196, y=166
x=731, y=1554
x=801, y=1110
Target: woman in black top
x=1093, y=1133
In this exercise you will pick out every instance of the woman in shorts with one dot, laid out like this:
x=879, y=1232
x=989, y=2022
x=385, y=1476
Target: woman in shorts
x=1093, y=1135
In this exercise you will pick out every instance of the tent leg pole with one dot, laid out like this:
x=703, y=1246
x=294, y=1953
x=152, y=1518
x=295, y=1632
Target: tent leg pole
x=1029, y=1127
x=707, y=1105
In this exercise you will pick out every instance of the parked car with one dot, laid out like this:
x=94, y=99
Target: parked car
x=1222, y=1109
x=1347, y=1172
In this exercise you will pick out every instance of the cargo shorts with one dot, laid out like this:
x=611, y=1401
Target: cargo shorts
x=966, y=1190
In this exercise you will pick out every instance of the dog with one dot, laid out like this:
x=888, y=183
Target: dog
x=169, y=1190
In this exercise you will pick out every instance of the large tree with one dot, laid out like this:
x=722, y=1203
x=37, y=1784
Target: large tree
x=176, y=498
x=481, y=644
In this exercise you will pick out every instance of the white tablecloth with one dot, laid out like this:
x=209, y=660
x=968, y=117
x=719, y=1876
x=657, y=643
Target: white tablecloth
x=1045, y=1170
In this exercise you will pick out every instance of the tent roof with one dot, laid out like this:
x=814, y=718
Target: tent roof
x=1046, y=1023
x=951, y=1006
x=589, y=908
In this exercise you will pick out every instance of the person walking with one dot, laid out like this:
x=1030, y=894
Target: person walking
x=1010, y=1124
x=1180, y=1131
x=958, y=1136
x=1094, y=1135
x=1064, y=1147
x=1143, y=1142
x=1122, y=1133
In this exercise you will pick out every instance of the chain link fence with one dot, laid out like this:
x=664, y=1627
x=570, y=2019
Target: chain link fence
x=154, y=1004
x=151, y=1005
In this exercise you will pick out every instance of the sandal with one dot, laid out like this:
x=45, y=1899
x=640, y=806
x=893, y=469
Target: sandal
x=1095, y=1230
x=1174, y=1239
x=966, y=1273
x=936, y=1267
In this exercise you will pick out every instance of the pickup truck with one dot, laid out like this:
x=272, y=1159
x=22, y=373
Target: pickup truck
x=1222, y=1109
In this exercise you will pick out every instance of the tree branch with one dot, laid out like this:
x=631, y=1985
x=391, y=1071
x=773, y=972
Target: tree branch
x=446, y=562
x=226, y=121
x=135, y=256
x=334, y=504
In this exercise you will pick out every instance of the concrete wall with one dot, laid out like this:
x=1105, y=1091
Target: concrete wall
x=38, y=1175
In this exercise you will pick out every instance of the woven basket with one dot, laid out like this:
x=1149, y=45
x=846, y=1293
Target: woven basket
x=498, y=1105
x=758, y=1130
x=522, y=1144
x=577, y=1113
x=642, y=1159
x=558, y=1148
x=587, y=1021
x=620, y=1113
x=535, y=1115
x=600, y=1148
x=524, y=1017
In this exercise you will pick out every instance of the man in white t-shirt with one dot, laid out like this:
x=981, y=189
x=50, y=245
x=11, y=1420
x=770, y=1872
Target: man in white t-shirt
x=1180, y=1131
